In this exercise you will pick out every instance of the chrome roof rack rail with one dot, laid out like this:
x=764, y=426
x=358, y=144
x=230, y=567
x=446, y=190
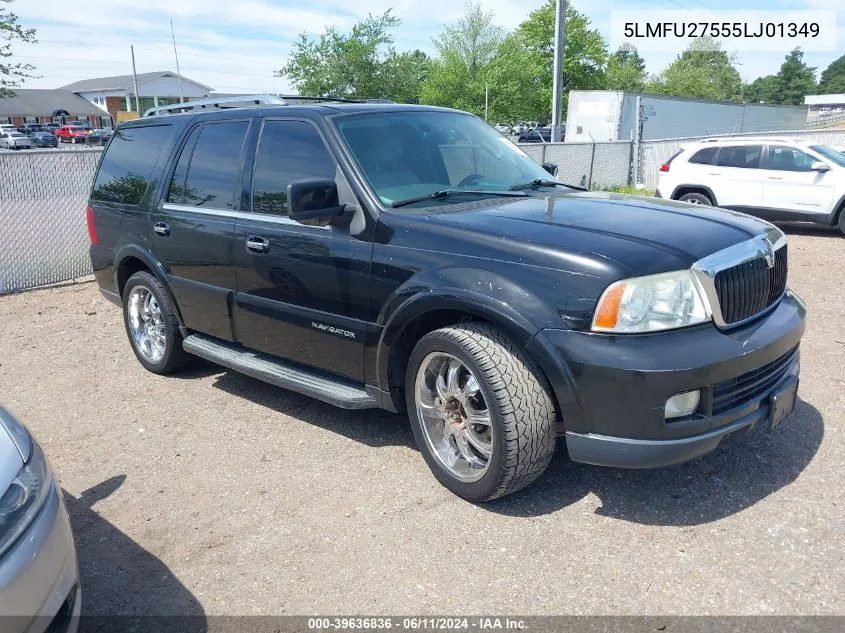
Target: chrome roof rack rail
x=215, y=104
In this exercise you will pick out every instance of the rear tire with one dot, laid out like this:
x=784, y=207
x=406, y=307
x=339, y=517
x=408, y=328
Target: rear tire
x=842, y=221
x=481, y=411
x=697, y=198
x=149, y=315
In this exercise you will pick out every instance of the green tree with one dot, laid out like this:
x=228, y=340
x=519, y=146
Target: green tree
x=794, y=80
x=362, y=64
x=458, y=76
x=833, y=78
x=625, y=70
x=761, y=90
x=702, y=71
x=12, y=73
x=521, y=74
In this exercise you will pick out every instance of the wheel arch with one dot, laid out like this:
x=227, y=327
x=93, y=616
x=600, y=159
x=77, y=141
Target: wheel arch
x=681, y=190
x=131, y=259
x=432, y=310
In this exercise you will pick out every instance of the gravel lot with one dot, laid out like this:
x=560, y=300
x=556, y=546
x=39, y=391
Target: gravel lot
x=215, y=493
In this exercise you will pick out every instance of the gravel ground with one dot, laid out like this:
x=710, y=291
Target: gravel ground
x=214, y=493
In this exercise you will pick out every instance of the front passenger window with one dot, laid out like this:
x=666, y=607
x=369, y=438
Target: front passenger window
x=783, y=158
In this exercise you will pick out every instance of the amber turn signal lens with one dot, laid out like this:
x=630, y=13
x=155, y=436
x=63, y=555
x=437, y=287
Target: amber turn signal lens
x=608, y=309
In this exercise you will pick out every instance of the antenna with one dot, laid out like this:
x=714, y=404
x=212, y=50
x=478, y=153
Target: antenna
x=176, y=55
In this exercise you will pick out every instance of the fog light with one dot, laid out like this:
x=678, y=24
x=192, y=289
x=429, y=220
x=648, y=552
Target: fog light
x=682, y=404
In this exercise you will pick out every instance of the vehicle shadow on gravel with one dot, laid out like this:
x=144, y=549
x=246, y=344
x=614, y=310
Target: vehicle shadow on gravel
x=372, y=427
x=125, y=587
x=738, y=474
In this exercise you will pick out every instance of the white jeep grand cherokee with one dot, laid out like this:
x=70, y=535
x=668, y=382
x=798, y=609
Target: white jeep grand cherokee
x=772, y=178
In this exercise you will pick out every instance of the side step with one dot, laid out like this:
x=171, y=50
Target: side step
x=331, y=389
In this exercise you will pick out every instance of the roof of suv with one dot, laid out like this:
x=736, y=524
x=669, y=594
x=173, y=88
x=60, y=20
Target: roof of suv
x=733, y=140
x=326, y=109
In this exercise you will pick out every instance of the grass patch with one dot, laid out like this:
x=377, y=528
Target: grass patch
x=629, y=189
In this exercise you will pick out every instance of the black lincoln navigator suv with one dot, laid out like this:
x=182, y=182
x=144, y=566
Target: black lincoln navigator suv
x=413, y=258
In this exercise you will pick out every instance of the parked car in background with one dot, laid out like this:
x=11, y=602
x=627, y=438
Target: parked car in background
x=72, y=134
x=497, y=306
x=12, y=139
x=28, y=128
x=51, y=127
x=519, y=128
x=43, y=139
x=39, y=580
x=773, y=178
x=539, y=135
x=504, y=129
x=85, y=125
x=99, y=135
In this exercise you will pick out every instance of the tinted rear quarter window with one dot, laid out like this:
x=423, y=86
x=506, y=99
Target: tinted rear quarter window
x=704, y=156
x=128, y=164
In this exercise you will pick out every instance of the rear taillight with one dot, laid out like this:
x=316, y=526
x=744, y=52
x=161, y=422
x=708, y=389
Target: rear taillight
x=664, y=167
x=92, y=228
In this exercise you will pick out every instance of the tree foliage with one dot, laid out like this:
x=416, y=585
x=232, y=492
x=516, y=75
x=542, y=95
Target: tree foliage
x=12, y=73
x=625, y=70
x=458, y=76
x=761, y=90
x=833, y=78
x=794, y=80
x=702, y=71
x=359, y=65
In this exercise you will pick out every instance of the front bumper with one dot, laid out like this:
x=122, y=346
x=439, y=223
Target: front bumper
x=612, y=390
x=39, y=580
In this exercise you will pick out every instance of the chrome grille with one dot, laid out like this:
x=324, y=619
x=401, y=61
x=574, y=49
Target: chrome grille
x=750, y=287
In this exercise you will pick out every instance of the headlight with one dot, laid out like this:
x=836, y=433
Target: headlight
x=649, y=304
x=23, y=499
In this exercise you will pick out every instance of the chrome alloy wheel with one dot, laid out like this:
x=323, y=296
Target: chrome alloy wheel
x=454, y=416
x=146, y=324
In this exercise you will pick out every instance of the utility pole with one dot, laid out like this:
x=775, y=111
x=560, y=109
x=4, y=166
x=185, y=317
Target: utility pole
x=135, y=80
x=557, y=84
x=486, y=99
x=176, y=55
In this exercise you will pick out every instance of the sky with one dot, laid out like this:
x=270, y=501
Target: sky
x=234, y=46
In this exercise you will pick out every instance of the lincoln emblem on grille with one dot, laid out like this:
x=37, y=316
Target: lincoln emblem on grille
x=770, y=252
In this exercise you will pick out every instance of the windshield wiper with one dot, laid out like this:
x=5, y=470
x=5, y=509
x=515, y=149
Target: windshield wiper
x=542, y=182
x=444, y=193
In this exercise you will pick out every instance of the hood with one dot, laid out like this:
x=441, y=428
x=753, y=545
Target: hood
x=643, y=235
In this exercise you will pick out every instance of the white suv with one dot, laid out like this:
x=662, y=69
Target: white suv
x=773, y=178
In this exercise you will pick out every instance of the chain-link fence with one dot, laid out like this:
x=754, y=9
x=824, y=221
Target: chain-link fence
x=43, y=238
x=604, y=164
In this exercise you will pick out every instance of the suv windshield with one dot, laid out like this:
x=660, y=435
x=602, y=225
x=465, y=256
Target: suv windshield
x=829, y=153
x=411, y=154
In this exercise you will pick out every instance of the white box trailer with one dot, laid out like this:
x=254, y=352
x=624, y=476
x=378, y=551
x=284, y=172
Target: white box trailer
x=609, y=115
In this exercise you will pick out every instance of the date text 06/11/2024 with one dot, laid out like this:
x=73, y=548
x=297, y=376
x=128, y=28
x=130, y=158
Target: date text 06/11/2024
x=416, y=623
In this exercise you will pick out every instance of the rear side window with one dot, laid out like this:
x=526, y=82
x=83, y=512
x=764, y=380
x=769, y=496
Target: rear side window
x=128, y=164
x=742, y=156
x=704, y=156
x=176, y=190
x=215, y=165
x=287, y=151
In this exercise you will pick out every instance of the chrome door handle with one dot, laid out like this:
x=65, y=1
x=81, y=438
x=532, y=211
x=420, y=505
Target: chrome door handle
x=775, y=177
x=714, y=173
x=257, y=244
x=162, y=228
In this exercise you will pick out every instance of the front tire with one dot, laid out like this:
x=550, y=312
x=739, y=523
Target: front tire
x=481, y=411
x=149, y=315
x=697, y=198
x=842, y=222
